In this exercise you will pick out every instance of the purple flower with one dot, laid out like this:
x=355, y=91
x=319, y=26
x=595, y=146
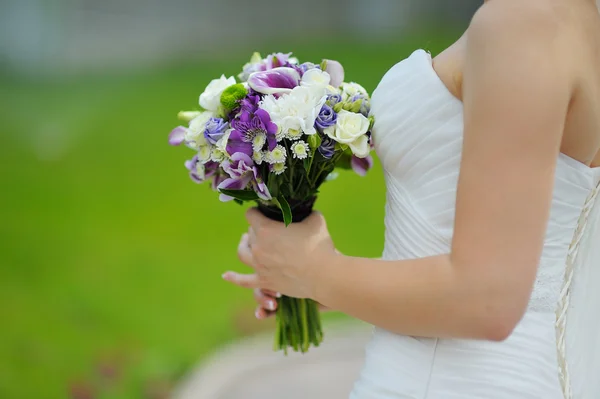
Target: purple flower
x=219, y=178
x=250, y=103
x=275, y=81
x=333, y=99
x=242, y=172
x=200, y=172
x=277, y=60
x=327, y=117
x=327, y=147
x=215, y=129
x=336, y=71
x=361, y=165
x=247, y=127
x=177, y=135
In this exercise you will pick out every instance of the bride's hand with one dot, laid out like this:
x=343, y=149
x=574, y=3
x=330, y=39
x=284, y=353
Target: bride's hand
x=284, y=259
x=267, y=303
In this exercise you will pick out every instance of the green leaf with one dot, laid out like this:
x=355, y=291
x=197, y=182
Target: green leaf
x=307, y=163
x=239, y=202
x=242, y=195
x=285, y=209
x=344, y=162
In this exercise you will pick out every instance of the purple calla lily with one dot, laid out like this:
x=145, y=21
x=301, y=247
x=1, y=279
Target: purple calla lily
x=336, y=71
x=177, y=135
x=361, y=165
x=277, y=60
x=275, y=81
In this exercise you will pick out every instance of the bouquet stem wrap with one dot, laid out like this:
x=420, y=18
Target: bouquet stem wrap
x=298, y=319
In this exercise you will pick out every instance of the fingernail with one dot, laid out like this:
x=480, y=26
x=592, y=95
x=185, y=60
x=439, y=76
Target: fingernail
x=225, y=276
x=270, y=305
x=257, y=314
x=278, y=295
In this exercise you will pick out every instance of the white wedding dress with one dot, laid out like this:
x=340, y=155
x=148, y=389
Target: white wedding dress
x=418, y=137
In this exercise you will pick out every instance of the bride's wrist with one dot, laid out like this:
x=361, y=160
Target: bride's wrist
x=323, y=274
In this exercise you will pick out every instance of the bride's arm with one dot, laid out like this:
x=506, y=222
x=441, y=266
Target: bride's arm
x=517, y=89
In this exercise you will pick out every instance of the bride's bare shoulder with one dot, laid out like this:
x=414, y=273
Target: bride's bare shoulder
x=508, y=19
x=508, y=30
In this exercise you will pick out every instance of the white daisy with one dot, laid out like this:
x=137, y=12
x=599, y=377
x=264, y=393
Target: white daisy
x=278, y=168
x=294, y=134
x=300, y=149
x=258, y=157
x=258, y=142
x=278, y=155
x=204, y=153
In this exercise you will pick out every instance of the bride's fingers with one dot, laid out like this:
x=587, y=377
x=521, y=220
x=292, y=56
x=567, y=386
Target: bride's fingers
x=244, y=253
x=274, y=294
x=262, y=313
x=251, y=236
x=264, y=300
x=242, y=280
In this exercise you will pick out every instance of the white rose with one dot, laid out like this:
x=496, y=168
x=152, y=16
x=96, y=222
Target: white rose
x=211, y=98
x=194, y=136
x=316, y=77
x=349, y=90
x=351, y=129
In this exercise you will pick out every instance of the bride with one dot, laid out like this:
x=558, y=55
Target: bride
x=485, y=288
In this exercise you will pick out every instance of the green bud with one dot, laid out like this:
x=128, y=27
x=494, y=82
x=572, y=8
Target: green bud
x=338, y=107
x=314, y=141
x=372, y=122
x=187, y=116
x=232, y=95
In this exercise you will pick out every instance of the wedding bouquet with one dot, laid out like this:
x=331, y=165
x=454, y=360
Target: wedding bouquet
x=273, y=136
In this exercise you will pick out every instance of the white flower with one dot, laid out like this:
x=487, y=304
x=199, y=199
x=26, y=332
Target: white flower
x=278, y=155
x=200, y=171
x=222, y=142
x=315, y=77
x=258, y=157
x=294, y=134
x=211, y=98
x=217, y=155
x=349, y=90
x=278, y=168
x=300, y=149
x=258, y=142
x=297, y=110
x=194, y=136
x=188, y=115
x=351, y=130
x=204, y=153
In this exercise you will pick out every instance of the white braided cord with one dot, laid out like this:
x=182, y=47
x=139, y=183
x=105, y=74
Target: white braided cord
x=564, y=299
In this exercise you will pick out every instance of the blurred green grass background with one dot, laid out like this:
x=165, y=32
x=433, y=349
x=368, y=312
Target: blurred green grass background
x=110, y=257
